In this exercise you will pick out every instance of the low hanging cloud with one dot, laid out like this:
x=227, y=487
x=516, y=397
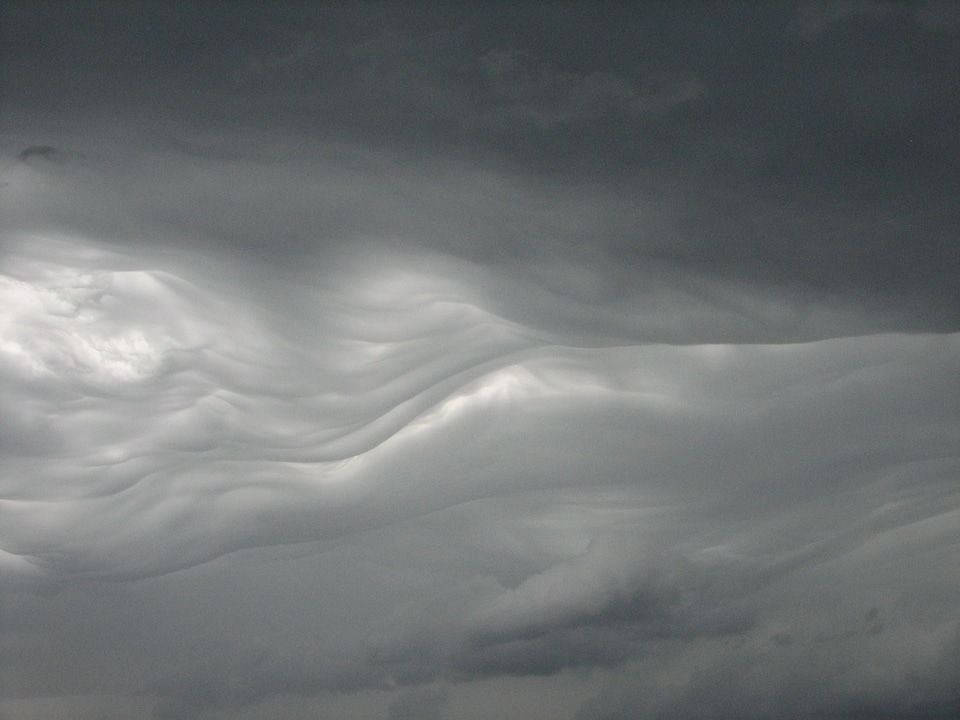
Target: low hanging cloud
x=582, y=492
x=170, y=390
x=455, y=366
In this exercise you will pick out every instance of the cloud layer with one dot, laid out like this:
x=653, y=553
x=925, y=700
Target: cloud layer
x=575, y=361
x=150, y=394
x=159, y=425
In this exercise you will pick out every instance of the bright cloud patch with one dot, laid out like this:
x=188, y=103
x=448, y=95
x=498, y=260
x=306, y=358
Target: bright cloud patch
x=60, y=326
x=178, y=425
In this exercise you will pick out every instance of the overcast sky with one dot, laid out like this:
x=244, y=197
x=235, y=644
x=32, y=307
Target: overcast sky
x=459, y=361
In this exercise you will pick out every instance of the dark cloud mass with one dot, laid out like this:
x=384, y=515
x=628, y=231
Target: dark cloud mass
x=478, y=360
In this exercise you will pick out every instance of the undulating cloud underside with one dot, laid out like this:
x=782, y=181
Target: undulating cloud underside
x=469, y=361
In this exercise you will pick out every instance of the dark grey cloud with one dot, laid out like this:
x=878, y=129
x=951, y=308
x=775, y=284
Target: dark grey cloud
x=815, y=685
x=419, y=704
x=526, y=92
x=39, y=154
x=479, y=360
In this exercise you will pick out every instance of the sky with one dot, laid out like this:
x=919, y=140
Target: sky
x=453, y=361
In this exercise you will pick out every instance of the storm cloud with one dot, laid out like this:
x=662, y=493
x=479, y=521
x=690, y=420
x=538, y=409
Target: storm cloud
x=476, y=360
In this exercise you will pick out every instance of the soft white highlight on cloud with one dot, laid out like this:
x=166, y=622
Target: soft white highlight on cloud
x=58, y=326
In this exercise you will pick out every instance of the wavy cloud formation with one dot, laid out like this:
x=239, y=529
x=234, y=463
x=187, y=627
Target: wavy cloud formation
x=191, y=427
x=579, y=361
x=158, y=420
x=171, y=390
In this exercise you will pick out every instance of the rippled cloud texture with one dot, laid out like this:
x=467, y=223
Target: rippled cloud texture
x=461, y=361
